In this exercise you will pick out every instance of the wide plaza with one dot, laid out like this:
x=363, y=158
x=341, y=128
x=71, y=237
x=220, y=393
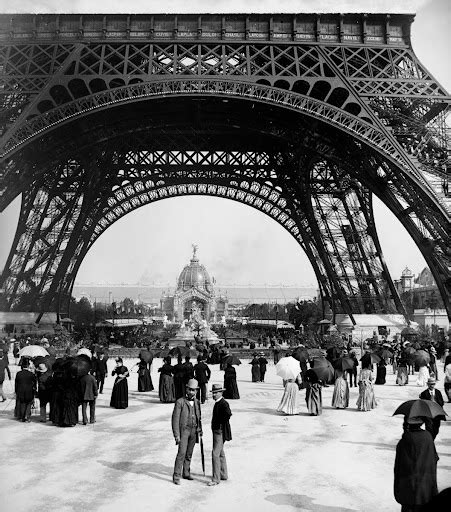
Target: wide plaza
x=341, y=461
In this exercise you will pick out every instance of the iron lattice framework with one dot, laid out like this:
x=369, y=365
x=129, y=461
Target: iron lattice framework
x=303, y=117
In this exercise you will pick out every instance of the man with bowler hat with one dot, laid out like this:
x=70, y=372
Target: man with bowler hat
x=220, y=427
x=432, y=424
x=187, y=428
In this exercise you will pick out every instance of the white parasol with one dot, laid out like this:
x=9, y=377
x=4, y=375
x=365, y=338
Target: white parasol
x=33, y=351
x=288, y=368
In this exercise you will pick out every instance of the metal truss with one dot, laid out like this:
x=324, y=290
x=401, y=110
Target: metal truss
x=345, y=89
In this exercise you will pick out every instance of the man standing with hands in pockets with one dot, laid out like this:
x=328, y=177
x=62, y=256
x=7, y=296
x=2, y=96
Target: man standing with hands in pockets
x=187, y=428
x=221, y=432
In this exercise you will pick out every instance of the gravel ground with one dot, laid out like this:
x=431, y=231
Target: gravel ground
x=341, y=461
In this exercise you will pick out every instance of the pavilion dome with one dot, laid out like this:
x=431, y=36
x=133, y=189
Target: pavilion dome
x=194, y=275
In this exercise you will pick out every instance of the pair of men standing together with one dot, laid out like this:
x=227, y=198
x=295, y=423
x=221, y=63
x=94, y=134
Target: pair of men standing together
x=187, y=429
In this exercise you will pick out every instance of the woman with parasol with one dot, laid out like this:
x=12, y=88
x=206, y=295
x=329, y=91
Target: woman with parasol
x=421, y=358
x=366, y=400
x=340, y=396
x=402, y=376
x=288, y=368
x=381, y=372
x=119, y=395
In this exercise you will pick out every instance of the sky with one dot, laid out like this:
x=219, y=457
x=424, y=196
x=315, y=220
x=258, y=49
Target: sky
x=237, y=244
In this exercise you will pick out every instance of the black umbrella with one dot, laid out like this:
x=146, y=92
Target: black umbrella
x=421, y=408
x=343, y=363
x=369, y=359
x=232, y=359
x=301, y=354
x=164, y=352
x=146, y=355
x=183, y=351
x=323, y=369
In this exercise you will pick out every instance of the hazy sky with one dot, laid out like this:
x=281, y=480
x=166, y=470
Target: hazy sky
x=237, y=244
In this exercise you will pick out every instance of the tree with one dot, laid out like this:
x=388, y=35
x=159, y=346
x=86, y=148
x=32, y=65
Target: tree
x=82, y=312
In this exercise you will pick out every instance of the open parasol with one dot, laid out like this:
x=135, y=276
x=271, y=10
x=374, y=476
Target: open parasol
x=231, y=359
x=323, y=369
x=385, y=353
x=146, y=355
x=84, y=351
x=32, y=351
x=421, y=408
x=183, y=351
x=343, y=363
x=369, y=358
x=288, y=368
x=301, y=354
x=421, y=358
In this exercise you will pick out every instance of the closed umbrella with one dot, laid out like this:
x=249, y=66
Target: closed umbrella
x=33, y=351
x=288, y=368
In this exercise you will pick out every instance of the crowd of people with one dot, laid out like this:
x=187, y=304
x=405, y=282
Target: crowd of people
x=66, y=385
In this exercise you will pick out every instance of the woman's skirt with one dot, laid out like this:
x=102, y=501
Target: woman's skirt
x=314, y=399
x=255, y=373
x=423, y=376
x=381, y=374
x=145, y=381
x=289, y=403
x=119, y=395
x=231, y=389
x=366, y=400
x=340, y=397
x=402, y=378
x=166, y=389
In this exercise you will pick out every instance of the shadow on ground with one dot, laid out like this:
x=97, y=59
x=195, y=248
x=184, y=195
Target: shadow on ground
x=154, y=470
x=304, y=502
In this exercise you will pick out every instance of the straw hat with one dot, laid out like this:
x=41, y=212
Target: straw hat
x=41, y=368
x=216, y=387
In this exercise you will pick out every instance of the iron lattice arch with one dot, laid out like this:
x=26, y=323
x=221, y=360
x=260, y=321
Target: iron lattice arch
x=303, y=117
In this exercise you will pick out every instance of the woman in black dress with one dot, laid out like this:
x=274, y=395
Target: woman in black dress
x=119, y=395
x=166, y=389
x=255, y=369
x=144, y=378
x=263, y=362
x=230, y=384
x=381, y=372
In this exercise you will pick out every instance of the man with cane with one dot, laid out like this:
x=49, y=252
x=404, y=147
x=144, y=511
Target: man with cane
x=187, y=429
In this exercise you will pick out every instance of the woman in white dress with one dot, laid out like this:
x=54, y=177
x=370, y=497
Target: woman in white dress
x=423, y=376
x=340, y=397
x=290, y=398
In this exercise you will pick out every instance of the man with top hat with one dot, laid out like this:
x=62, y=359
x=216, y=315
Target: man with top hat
x=187, y=428
x=220, y=427
x=44, y=378
x=432, y=424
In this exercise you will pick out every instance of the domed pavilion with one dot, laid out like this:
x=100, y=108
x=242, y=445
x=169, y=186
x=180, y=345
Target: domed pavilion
x=194, y=285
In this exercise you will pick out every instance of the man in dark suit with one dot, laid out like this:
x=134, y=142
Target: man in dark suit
x=202, y=374
x=432, y=424
x=87, y=395
x=220, y=427
x=187, y=428
x=101, y=370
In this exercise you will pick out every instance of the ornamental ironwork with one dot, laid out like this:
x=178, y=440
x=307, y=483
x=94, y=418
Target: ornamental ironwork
x=303, y=117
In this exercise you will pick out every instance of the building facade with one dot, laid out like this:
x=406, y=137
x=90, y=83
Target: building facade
x=194, y=288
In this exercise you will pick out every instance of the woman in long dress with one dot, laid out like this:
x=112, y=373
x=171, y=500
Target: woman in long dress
x=402, y=377
x=166, y=389
x=366, y=400
x=313, y=393
x=290, y=398
x=381, y=372
x=423, y=376
x=144, y=378
x=255, y=369
x=340, y=397
x=119, y=395
x=230, y=384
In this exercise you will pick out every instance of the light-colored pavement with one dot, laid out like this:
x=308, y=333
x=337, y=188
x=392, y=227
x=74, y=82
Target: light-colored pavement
x=341, y=461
